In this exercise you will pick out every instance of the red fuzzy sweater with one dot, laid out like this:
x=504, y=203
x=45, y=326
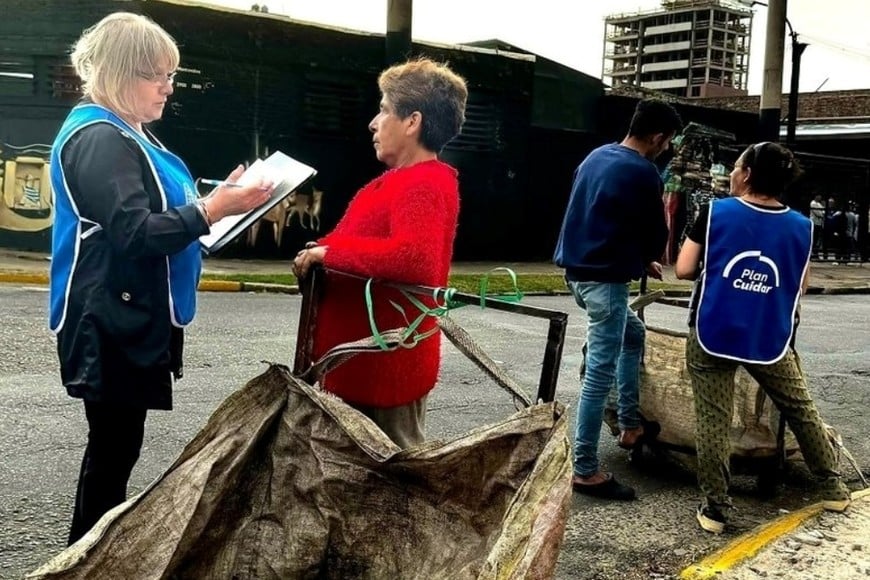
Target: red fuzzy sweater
x=400, y=227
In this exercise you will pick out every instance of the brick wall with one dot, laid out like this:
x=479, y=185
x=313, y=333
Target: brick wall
x=829, y=106
x=826, y=105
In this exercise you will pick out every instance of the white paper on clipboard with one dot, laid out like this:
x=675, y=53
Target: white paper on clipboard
x=278, y=168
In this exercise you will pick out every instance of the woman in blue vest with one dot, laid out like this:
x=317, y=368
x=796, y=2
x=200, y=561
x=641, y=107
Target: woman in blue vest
x=125, y=253
x=751, y=255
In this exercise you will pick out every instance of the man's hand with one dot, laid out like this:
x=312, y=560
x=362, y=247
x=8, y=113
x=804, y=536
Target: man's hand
x=654, y=270
x=307, y=258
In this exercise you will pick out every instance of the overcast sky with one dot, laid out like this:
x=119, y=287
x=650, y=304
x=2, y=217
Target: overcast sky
x=571, y=31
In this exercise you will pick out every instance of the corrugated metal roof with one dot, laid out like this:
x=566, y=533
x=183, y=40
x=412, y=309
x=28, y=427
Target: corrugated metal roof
x=288, y=19
x=831, y=130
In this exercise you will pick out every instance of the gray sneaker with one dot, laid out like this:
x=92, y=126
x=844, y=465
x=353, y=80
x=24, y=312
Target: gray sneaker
x=836, y=497
x=711, y=519
x=836, y=505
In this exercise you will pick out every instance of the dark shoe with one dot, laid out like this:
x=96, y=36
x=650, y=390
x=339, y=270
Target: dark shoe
x=607, y=489
x=635, y=438
x=611, y=420
x=630, y=438
x=711, y=519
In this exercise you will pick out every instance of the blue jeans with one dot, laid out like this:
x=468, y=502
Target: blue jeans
x=614, y=338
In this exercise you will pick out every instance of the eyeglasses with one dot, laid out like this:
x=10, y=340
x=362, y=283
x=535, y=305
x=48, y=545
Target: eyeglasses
x=159, y=78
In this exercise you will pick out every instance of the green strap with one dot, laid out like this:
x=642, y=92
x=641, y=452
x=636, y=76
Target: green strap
x=515, y=296
x=376, y=335
x=444, y=303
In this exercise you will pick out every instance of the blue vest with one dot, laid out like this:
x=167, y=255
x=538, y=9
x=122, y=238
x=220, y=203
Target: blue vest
x=176, y=189
x=754, y=262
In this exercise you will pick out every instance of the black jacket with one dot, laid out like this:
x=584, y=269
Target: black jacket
x=118, y=344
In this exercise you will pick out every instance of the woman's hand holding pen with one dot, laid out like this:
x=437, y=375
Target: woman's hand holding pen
x=232, y=199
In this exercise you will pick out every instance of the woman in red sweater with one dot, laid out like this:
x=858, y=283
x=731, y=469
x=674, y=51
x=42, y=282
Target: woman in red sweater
x=400, y=227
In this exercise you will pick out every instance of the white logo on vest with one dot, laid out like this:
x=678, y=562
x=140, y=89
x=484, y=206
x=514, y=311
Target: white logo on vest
x=189, y=195
x=750, y=279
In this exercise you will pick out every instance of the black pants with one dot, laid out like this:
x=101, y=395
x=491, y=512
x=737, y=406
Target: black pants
x=114, y=440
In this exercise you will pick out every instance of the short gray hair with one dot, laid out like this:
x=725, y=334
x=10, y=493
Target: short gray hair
x=113, y=53
x=431, y=88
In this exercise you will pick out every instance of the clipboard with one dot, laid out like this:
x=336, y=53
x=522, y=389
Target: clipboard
x=287, y=173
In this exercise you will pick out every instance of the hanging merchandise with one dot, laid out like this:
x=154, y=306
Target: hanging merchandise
x=695, y=176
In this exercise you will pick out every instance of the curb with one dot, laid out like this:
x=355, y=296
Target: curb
x=749, y=544
x=673, y=293
x=204, y=285
x=838, y=291
x=24, y=278
x=219, y=286
x=677, y=293
x=207, y=285
x=263, y=287
x=666, y=293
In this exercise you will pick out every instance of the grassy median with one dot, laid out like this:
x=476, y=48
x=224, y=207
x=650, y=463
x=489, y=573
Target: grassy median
x=470, y=283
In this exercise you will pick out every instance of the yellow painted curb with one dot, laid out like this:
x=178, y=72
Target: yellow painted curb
x=219, y=286
x=204, y=285
x=749, y=544
x=23, y=278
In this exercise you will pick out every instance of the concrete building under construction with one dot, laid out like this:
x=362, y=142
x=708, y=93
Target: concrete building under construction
x=688, y=48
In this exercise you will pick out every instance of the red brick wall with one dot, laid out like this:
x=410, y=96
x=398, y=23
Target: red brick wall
x=827, y=105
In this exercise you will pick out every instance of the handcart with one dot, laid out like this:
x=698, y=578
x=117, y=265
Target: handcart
x=287, y=481
x=761, y=443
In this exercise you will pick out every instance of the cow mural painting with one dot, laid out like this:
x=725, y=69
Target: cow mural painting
x=25, y=204
x=280, y=218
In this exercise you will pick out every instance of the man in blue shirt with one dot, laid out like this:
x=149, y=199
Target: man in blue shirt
x=614, y=229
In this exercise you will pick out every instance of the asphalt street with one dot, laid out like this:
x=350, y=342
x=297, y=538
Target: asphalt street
x=43, y=431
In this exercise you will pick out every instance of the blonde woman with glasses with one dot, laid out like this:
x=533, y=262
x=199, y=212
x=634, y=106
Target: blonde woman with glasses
x=125, y=256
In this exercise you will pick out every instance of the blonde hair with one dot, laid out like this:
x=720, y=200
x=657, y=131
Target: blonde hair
x=431, y=88
x=113, y=53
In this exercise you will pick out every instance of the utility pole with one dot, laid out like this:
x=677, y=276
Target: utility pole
x=797, y=49
x=771, y=93
x=398, y=40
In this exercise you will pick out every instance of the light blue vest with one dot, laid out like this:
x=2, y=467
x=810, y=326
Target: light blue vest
x=70, y=227
x=754, y=263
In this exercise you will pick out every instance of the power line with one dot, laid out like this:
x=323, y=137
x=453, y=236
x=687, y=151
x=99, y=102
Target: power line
x=833, y=45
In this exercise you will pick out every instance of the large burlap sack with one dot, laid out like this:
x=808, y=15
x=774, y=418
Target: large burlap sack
x=666, y=398
x=286, y=481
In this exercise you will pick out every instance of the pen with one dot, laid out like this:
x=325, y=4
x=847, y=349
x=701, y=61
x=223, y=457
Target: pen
x=218, y=183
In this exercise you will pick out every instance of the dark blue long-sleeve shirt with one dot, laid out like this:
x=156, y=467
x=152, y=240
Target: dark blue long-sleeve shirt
x=615, y=221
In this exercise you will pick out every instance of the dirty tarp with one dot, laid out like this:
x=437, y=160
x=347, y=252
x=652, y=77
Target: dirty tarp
x=666, y=397
x=288, y=482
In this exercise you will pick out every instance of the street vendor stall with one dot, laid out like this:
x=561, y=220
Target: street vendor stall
x=697, y=173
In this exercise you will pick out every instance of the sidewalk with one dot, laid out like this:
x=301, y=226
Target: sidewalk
x=32, y=268
x=808, y=543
